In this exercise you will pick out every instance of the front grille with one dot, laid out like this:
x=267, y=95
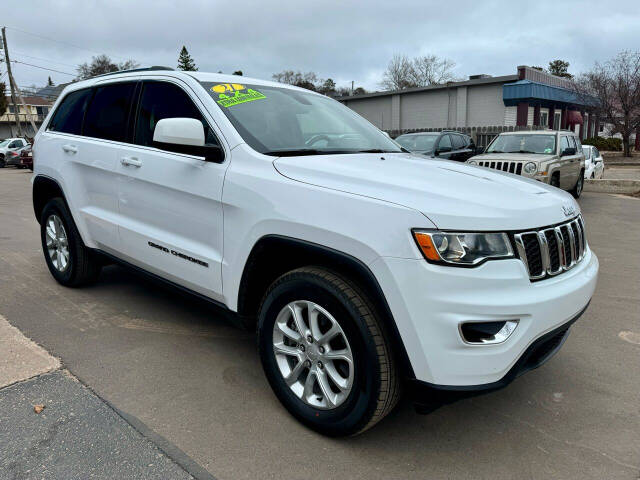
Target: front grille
x=511, y=167
x=550, y=251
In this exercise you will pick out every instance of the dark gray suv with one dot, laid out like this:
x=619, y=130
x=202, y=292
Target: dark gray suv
x=449, y=145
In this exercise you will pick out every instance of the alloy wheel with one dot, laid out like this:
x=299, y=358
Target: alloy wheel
x=313, y=354
x=57, y=243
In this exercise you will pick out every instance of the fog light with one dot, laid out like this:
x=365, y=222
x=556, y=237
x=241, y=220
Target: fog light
x=487, y=333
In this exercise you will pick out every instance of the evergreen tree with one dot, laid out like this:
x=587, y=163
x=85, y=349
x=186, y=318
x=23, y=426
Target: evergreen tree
x=50, y=82
x=3, y=99
x=185, y=62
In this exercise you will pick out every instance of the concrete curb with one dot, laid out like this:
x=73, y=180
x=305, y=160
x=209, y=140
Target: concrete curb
x=612, y=186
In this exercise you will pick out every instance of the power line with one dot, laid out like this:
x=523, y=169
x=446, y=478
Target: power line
x=65, y=43
x=44, y=59
x=43, y=68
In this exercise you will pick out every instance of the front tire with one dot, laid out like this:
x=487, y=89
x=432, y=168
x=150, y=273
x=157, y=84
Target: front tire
x=324, y=352
x=70, y=262
x=577, y=189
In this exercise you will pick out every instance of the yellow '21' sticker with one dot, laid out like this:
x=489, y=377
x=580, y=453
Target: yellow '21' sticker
x=230, y=94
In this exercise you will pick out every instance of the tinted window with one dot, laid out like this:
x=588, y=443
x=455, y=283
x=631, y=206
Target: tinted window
x=108, y=112
x=458, y=142
x=445, y=143
x=164, y=100
x=68, y=116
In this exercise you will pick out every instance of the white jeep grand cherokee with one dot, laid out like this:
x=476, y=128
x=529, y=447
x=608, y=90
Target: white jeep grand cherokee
x=362, y=267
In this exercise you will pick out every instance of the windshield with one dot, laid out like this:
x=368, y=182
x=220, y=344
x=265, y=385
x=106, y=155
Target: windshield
x=417, y=143
x=281, y=121
x=4, y=143
x=542, y=144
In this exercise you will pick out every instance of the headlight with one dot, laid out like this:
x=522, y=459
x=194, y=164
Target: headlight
x=472, y=162
x=530, y=168
x=462, y=248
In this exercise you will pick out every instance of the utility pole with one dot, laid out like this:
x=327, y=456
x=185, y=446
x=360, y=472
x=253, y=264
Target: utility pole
x=352, y=88
x=11, y=82
x=26, y=109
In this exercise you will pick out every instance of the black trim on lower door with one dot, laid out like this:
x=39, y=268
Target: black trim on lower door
x=229, y=314
x=428, y=396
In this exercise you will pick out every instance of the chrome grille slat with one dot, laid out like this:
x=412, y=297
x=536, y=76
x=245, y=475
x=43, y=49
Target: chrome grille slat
x=540, y=259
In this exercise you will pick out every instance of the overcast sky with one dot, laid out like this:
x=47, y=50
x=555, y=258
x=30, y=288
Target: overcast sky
x=344, y=40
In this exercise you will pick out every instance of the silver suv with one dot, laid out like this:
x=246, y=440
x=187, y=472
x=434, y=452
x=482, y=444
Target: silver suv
x=553, y=157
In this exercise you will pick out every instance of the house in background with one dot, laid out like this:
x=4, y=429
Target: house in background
x=482, y=106
x=36, y=105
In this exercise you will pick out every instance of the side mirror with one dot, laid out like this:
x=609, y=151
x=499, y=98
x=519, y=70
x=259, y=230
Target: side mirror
x=568, y=151
x=185, y=135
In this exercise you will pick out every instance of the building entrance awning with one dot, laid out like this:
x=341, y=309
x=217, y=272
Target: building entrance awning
x=533, y=92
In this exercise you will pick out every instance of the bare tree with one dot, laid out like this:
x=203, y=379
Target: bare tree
x=616, y=86
x=432, y=70
x=399, y=74
x=103, y=64
x=403, y=72
x=308, y=80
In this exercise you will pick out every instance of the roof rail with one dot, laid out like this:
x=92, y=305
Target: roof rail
x=145, y=69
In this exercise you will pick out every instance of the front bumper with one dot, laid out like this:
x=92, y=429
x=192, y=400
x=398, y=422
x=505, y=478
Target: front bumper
x=429, y=302
x=427, y=397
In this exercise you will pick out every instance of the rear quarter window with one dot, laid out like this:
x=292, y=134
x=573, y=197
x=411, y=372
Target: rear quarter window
x=69, y=114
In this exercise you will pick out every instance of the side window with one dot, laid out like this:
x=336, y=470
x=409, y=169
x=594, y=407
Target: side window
x=458, y=142
x=68, y=117
x=564, y=143
x=165, y=100
x=15, y=144
x=596, y=153
x=578, y=144
x=445, y=143
x=108, y=112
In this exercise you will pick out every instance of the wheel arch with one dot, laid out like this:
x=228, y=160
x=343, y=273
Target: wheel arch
x=274, y=255
x=44, y=189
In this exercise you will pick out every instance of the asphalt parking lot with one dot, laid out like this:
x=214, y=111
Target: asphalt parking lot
x=193, y=384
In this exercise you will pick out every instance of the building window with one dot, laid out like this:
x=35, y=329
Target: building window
x=12, y=109
x=601, y=129
x=544, y=119
x=556, y=120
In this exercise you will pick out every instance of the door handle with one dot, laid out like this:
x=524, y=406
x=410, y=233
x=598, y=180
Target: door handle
x=70, y=148
x=131, y=161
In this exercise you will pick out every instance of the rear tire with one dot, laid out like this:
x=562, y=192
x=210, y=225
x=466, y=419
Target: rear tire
x=70, y=262
x=374, y=387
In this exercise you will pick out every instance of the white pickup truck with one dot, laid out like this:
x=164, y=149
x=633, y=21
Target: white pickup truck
x=363, y=268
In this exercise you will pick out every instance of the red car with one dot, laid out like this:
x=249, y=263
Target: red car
x=26, y=158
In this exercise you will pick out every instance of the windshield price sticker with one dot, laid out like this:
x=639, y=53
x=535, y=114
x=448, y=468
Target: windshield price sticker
x=230, y=94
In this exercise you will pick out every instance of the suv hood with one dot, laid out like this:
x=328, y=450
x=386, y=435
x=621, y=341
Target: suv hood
x=513, y=157
x=451, y=194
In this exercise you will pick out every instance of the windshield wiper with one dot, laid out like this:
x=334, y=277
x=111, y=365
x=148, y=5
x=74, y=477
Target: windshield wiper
x=496, y=151
x=302, y=152
x=312, y=151
x=375, y=150
x=526, y=151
